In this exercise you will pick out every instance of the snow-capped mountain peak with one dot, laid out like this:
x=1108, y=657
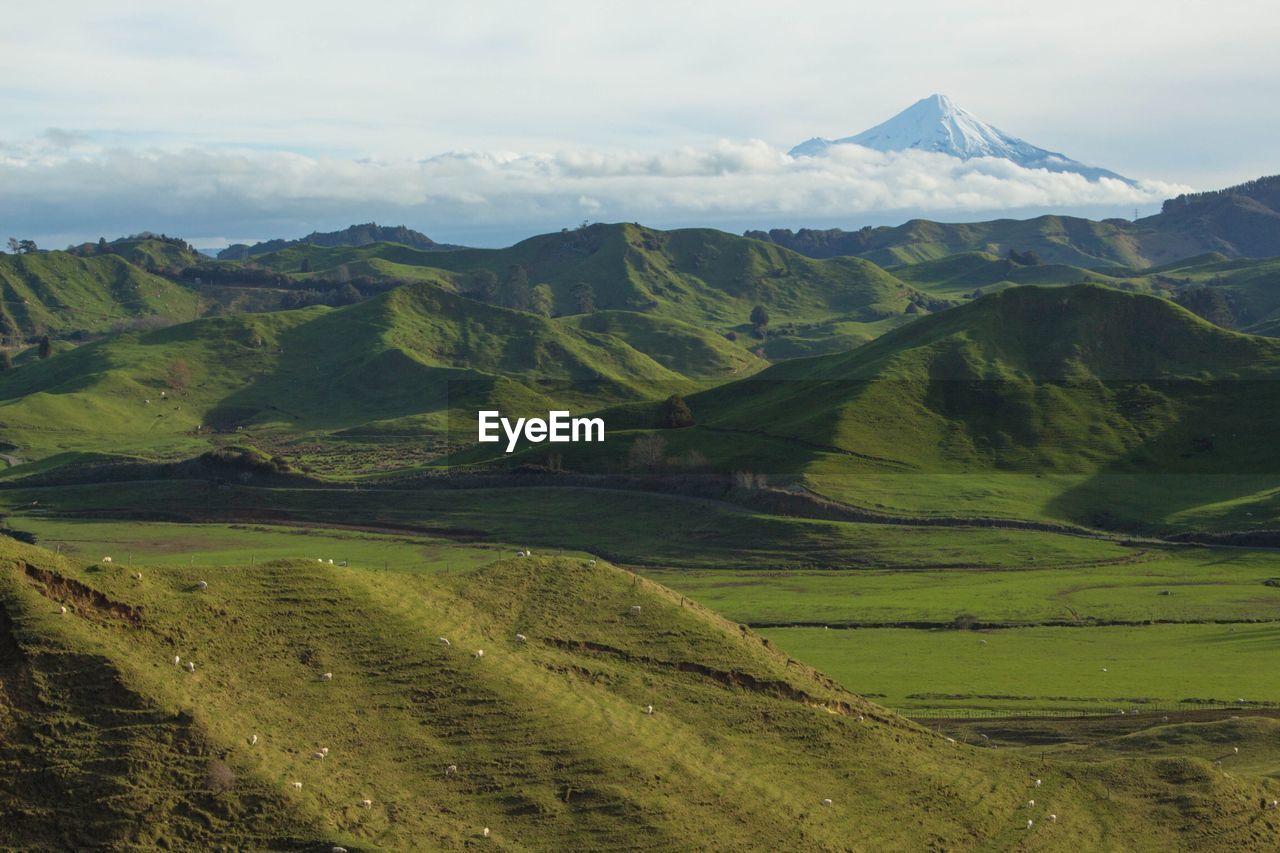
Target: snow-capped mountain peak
x=938, y=124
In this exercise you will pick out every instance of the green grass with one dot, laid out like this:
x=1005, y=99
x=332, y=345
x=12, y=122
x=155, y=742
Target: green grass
x=637, y=528
x=394, y=366
x=699, y=276
x=57, y=293
x=161, y=543
x=550, y=741
x=1044, y=669
x=1204, y=584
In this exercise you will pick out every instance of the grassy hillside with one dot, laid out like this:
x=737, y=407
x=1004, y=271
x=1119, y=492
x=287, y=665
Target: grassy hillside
x=697, y=276
x=549, y=737
x=1031, y=402
x=393, y=367
x=58, y=293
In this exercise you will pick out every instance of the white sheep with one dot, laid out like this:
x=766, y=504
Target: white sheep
x=253, y=740
x=522, y=638
x=137, y=576
x=328, y=676
x=521, y=554
x=331, y=561
x=444, y=641
x=297, y=786
x=202, y=585
x=63, y=610
x=366, y=803
x=648, y=709
x=861, y=718
x=1030, y=823
x=635, y=610
x=479, y=653
x=325, y=750
x=1037, y=783
x=337, y=850
x=591, y=562
x=317, y=755
x=1235, y=750
x=177, y=661
x=485, y=833
x=1031, y=804
x=1104, y=669
x=190, y=666
x=827, y=801
x=451, y=769
x=1053, y=818
x=106, y=559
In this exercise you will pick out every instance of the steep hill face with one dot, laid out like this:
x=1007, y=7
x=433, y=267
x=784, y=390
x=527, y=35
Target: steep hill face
x=417, y=352
x=1240, y=221
x=59, y=293
x=546, y=741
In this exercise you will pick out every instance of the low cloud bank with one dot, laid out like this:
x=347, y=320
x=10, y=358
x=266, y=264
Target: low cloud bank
x=63, y=185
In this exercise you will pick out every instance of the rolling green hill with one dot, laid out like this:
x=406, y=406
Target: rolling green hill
x=699, y=276
x=1074, y=403
x=546, y=741
x=57, y=293
x=392, y=367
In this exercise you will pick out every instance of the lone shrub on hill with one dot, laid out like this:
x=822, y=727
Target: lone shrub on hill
x=46, y=348
x=542, y=300
x=675, y=413
x=6, y=363
x=759, y=320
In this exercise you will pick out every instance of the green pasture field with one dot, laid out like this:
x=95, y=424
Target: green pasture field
x=1203, y=584
x=165, y=543
x=1045, y=669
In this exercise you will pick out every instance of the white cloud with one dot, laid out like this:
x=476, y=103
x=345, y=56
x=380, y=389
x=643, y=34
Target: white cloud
x=51, y=188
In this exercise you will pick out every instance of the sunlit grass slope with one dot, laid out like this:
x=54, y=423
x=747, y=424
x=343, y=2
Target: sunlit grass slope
x=546, y=741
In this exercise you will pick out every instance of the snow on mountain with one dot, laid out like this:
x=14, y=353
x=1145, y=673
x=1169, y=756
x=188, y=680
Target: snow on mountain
x=936, y=124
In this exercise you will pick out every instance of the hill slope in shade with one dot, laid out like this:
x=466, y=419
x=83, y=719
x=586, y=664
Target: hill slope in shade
x=938, y=125
x=545, y=741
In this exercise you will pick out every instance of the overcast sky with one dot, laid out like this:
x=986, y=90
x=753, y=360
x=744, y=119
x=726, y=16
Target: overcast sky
x=485, y=121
